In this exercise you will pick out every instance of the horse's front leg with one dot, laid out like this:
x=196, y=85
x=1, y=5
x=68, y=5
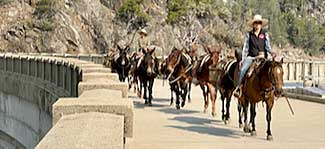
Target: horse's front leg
x=239, y=108
x=228, y=109
x=253, y=115
x=222, y=106
x=189, y=91
x=145, y=97
x=178, y=95
x=151, y=81
x=213, y=98
x=245, y=110
x=269, y=106
x=184, y=94
x=206, y=101
x=171, y=94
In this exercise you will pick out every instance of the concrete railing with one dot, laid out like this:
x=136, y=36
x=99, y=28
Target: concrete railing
x=302, y=71
x=89, y=107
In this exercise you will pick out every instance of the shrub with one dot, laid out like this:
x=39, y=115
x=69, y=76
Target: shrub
x=132, y=12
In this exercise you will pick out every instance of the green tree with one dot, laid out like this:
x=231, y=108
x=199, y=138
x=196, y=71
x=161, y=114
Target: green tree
x=132, y=12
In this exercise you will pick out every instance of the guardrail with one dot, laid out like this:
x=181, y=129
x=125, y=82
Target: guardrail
x=62, y=74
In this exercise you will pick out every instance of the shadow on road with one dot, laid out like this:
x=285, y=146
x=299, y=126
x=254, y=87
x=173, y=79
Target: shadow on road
x=141, y=105
x=195, y=120
x=214, y=131
x=173, y=110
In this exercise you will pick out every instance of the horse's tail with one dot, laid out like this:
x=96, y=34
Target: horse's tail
x=238, y=56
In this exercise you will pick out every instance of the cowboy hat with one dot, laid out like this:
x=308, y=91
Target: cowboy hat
x=258, y=18
x=143, y=31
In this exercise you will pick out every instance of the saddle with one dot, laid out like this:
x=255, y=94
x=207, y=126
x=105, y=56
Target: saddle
x=255, y=67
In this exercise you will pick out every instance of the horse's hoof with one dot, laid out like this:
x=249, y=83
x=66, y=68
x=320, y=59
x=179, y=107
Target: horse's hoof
x=150, y=104
x=178, y=107
x=213, y=114
x=253, y=133
x=226, y=122
x=223, y=117
x=205, y=111
x=241, y=125
x=269, y=138
x=146, y=102
x=183, y=104
x=246, y=129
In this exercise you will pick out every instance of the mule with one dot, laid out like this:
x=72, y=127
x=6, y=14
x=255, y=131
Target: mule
x=229, y=76
x=121, y=63
x=147, y=71
x=201, y=72
x=177, y=69
x=264, y=85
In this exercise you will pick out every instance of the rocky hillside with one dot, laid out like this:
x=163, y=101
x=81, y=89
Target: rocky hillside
x=94, y=26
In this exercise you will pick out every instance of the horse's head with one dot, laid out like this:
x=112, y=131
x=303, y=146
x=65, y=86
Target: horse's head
x=276, y=76
x=149, y=63
x=214, y=53
x=172, y=60
x=123, y=55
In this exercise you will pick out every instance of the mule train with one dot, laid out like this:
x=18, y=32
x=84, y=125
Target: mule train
x=182, y=68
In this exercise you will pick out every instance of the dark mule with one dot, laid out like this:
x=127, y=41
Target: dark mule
x=133, y=74
x=202, y=74
x=264, y=85
x=229, y=76
x=180, y=80
x=147, y=71
x=121, y=63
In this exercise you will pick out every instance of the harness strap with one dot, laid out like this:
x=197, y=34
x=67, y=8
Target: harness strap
x=170, y=74
x=139, y=62
x=180, y=76
x=205, y=59
x=229, y=64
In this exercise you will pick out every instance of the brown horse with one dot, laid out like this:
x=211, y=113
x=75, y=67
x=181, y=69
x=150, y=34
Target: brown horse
x=202, y=74
x=177, y=68
x=263, y=85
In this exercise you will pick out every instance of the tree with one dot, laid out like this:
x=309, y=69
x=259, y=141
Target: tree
x=132, y=12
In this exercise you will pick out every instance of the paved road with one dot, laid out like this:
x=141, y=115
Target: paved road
x=164, y=127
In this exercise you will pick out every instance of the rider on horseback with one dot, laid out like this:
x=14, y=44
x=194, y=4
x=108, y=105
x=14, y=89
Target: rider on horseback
x=257, y=44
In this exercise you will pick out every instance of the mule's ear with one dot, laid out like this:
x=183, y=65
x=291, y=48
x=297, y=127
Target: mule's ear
x=281, y=60
x=119, y=48
x=127, y=48
x=152, y=51
x=143, y=50
x=208, y=50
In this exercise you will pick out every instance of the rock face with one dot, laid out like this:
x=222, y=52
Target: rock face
x=89, y=26
x=83, y=26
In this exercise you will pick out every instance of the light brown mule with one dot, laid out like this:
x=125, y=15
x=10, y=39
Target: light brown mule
x=202, y=73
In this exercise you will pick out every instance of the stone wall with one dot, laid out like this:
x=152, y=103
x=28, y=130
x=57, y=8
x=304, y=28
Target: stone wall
x=69, y=92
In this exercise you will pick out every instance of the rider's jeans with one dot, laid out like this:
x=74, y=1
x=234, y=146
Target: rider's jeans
x=246, y=64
